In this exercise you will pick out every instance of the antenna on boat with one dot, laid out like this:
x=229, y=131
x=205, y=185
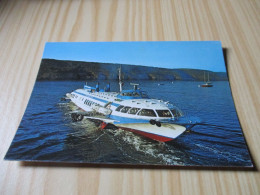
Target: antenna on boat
x=135, y=85
x=120, y=78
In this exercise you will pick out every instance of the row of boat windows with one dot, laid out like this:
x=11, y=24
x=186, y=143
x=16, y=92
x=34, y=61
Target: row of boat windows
x=106, y=96
x=89, y=103
x=148, y=112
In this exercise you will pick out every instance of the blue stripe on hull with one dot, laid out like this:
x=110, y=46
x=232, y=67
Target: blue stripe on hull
x=132, y=120
x=127, y=120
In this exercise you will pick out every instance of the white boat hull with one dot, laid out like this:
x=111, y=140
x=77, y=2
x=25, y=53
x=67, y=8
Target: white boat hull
x=166, y=132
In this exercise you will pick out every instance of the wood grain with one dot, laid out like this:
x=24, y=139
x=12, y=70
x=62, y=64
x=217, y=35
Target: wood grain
x=26, y=25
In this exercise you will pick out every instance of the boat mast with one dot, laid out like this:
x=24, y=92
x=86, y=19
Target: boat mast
x=120, y=79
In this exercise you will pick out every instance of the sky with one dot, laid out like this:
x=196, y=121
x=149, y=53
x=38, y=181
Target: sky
x=205, y=55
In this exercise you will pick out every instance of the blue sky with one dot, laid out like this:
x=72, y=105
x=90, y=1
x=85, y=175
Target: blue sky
x=206, y=55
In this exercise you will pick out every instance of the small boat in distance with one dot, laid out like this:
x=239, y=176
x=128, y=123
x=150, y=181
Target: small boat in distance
x=207, y=83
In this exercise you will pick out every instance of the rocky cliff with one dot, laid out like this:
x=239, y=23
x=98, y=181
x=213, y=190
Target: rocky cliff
x=51, y=69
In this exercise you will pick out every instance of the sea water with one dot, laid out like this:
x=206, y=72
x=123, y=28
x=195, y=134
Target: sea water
x=47, y=133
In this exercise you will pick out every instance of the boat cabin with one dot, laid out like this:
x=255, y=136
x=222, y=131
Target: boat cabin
x=162, y=113
x=132, y=94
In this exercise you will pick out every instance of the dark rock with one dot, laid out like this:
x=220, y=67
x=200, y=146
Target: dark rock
x=51, y=69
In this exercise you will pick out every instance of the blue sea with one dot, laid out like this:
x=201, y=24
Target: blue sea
x=47, y=133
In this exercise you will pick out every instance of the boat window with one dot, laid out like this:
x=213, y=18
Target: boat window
x=119, y=108
x=125, y=109
x=176, y=112
x=147, y=112
x=133, y=110
x=164, y=113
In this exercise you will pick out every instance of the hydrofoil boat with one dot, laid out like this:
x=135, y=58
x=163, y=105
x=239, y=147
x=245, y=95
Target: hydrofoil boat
x=131, y=110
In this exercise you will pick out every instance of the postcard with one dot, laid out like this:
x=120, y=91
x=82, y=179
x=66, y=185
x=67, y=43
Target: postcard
x=132, y=103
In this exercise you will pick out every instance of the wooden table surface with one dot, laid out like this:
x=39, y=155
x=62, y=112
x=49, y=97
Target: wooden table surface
x=25, y=26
